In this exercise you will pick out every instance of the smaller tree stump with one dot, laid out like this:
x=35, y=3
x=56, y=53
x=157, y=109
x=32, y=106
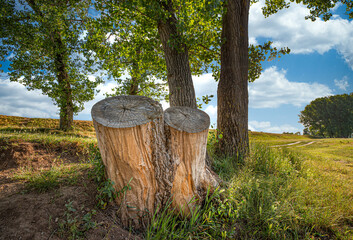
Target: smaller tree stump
x=187, y=144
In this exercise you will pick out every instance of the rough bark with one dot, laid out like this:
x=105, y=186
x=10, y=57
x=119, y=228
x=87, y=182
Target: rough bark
x=134, y=85
x=181, y=88
x=232, y=93
x=161, y=160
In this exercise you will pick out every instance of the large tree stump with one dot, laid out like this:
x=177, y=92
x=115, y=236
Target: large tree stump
x=160, y=160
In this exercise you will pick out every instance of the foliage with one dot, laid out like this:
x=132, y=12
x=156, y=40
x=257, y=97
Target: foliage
x=204, y=100
x=124, y=43
x=43, y=40
x=329, y=116
x=124, y=38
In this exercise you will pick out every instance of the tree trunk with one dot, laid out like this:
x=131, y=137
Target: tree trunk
x=135, y=74
x=159, y=162
x=181, y=88
x=232, y=93
x=65, y=99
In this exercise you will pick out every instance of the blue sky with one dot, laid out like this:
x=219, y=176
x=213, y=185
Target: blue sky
x=320, y=64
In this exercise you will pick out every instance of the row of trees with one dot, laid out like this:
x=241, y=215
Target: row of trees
x=54, y=45
x=329, y=116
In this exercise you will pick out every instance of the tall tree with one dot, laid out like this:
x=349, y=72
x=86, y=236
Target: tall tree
x=43, y=40
x=232, y=112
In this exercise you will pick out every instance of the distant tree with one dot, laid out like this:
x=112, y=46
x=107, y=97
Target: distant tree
x=43, y=39
x=329, y=116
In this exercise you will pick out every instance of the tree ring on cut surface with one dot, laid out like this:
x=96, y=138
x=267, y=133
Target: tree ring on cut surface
x=187, y=119
x=126, y=111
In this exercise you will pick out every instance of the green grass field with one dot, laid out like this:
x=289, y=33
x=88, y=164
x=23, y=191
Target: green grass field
x=285, y=189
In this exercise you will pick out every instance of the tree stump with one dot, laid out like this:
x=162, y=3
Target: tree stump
x=187, y=144
x=160, y=160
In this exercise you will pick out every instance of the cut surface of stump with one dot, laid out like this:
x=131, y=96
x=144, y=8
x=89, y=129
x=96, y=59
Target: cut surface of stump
x=187, y=119
x=126, y=111
x=131, y=138
x=187, y=146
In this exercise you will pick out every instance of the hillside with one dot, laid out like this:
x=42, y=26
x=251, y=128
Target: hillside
x=52, y=186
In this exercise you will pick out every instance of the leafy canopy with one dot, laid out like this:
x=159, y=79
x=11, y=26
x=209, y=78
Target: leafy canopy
x=32, y=36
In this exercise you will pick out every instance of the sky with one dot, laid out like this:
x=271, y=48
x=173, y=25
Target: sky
x=320, y=64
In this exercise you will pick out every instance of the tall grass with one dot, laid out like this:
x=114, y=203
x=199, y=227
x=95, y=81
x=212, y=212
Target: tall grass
x=269, y=195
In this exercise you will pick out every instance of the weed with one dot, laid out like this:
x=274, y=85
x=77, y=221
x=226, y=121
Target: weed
x=72, y=226
x=106, y=194
x=98, y=171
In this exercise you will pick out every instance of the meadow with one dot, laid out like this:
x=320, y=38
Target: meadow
x=290, y=186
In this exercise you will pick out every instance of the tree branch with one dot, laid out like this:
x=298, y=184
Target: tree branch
x=210, y=50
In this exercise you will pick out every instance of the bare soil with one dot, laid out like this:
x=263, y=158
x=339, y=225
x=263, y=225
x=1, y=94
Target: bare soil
x=33, y=215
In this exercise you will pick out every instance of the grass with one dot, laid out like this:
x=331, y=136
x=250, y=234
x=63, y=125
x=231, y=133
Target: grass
x=11, y=124
x=42, y=123
x=275, y=193
x=56, y=176
x=254, y=205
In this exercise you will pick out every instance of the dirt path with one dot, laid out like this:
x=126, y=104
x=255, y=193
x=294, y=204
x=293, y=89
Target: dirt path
x=295, y=144
x=306, y=144
x=289, y=144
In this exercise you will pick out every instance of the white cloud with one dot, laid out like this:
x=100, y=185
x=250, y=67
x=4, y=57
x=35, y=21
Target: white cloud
x=252, y=40
x=342, y=84
x=267, y=127
x=273, y=89
x=16, y=100
x=212, y=112
x=259, y=125
x=205, y=85
x=288, y=28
